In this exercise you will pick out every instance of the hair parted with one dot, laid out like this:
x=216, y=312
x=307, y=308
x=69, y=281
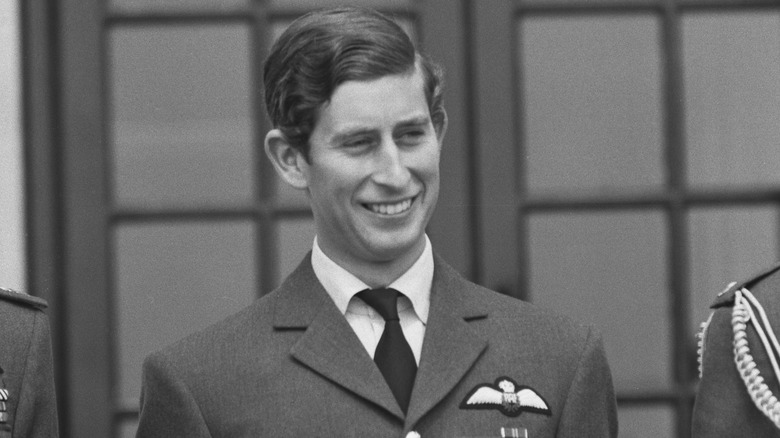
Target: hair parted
x=321, y=50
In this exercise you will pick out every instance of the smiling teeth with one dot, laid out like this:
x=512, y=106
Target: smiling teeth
x=391, y=208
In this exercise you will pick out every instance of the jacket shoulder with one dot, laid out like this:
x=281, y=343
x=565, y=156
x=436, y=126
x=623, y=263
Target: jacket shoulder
x=476, y=301
x=200, y=346
x=12, y=296
x=726, y=298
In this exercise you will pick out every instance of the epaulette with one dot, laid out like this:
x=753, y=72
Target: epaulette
x=726, y=298
x=20, y=297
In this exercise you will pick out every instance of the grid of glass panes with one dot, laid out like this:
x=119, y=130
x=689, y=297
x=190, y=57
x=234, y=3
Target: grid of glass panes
x=593, y=114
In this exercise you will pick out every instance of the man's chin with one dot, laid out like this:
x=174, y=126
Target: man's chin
x=394, y=249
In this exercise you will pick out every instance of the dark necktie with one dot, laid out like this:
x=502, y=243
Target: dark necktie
x=393, y=355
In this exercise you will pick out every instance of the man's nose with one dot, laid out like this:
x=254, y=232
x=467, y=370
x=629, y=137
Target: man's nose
x=390, y=167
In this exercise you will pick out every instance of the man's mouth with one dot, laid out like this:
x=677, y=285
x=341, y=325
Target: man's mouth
x=390, y=209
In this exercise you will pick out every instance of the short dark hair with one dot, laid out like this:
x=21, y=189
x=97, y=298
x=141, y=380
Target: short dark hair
x=321, y=50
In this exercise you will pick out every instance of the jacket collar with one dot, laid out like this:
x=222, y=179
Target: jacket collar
x=330, y=347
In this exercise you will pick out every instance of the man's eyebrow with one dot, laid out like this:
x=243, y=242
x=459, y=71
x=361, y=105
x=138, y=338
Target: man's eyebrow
x=352, y=132
x=415, y=121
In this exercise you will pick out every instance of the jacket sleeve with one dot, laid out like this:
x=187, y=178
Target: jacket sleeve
x=36, y=415
x=591, y=407
x=168, y=408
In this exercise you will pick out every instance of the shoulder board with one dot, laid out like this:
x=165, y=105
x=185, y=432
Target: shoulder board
x=20, y=297
x=726, y=298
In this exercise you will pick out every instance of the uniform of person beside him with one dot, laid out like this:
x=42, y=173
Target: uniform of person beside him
x=739, y=355
x=28, y=406
x=373, y=334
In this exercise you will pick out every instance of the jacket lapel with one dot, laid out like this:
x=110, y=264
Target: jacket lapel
x=328, y=346
x=450, y=347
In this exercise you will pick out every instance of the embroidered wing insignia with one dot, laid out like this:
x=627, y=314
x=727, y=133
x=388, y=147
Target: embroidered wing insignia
x=485, y=395
x=504, y=397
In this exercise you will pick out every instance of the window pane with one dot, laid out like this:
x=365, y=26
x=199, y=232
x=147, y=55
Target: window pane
x=646, y=422
x=728, y=244
x=182, y=128
x=173, y=279
x=608, y=270
x=295, y=239
x=591, y=102
x=12, y=195
x=732, y=97
x=175, y=5
x=566, y=3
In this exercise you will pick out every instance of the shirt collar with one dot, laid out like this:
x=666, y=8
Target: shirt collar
x=341, y=285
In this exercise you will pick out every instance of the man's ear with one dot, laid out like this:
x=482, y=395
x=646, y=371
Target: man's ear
x=288, y=161
x=441, y=126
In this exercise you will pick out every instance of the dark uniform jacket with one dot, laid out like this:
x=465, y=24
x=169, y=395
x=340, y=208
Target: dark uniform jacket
x=27, y=399
x=737, y=375
x=290, y=365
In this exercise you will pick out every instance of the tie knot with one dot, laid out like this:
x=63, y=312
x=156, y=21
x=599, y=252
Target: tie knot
x=384, y=301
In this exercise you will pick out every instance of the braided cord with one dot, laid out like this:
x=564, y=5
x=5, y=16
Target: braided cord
x=759, y=392
x=769, y=332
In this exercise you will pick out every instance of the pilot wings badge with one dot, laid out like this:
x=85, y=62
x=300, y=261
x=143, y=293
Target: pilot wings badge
x=507, y=397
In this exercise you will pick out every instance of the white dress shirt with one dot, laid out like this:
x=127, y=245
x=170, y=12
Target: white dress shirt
x=368, y=325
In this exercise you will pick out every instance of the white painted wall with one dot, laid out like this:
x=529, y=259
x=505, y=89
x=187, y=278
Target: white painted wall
x=12, y=249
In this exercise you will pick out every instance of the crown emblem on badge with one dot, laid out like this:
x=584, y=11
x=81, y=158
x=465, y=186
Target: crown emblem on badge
x=507, y=397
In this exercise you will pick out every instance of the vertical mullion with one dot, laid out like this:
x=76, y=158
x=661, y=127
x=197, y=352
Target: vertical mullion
x=521, y=175
x=493, y=73
x=445, y=35
x=85, y=197
x=42, y=188
x=472, y=175
x=679, y=299
x=267, y=245
x=109, y=183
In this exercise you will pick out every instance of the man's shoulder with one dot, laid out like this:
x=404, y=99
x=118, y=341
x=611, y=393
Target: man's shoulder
x=542, y=318
x=254, y=324
x=511, y=324
x=763, y=282
x=23, y=321
x=12, y=296
x=223, y=335
x=502, y=308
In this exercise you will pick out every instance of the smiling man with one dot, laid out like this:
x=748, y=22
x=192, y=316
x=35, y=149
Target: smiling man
x=373, y=335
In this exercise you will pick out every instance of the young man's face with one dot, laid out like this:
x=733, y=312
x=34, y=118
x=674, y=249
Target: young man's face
x=373, y=170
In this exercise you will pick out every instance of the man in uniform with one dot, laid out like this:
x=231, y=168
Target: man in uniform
x=739, y=362
x=27, y=400
x=373, y=335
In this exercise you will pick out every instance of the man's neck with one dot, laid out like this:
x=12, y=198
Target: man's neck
x=380, y=274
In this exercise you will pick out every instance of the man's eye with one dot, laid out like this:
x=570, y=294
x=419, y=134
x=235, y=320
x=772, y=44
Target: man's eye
x=411, y=137
x=358, y=143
